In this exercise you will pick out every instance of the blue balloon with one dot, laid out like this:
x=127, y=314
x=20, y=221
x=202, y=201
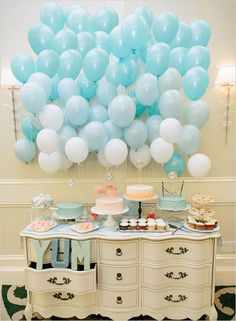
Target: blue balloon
x=106, y=92
x=190, y=139
x=95, y=63
x=79, y=20
x=154, y=109
x=117, y=45
x=153, y=127
x=201, y=33
x=67, y=88
x=143, y=52
x=105, y=20
x=165, y=27
x=197, y=56
x=122, y=110
x=77, y=110
x=136, y=134
x=183, y=37
x=195, y=83
x=30, y=128
x=66, y=119
x=22, y=67
x=157, y=59
x=73, y=8
x=48, y=62
x=98, y=113
x=33, y=97
x=70, y=64
x=64, y=134
x=42, y=80
x=102, y=40
x=113, y=131
x=24, y=150
x=175, y=164
x=134, y=32
x=53, y=16
x=112, y=73
x=65, y=39
x=87, y=88
x=54, y=93
x=177, y=59
x=197, y=113
x=86, y=42
x=40, y=37
x=171, y=104
x=146, y=14
x=127, y=72
x=140, y=109
x=95, y=135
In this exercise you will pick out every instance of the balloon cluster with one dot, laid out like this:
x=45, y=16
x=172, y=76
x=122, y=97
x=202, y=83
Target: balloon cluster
x=100, y=86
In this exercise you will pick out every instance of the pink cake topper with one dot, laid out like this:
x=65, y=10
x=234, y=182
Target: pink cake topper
x=109, y=190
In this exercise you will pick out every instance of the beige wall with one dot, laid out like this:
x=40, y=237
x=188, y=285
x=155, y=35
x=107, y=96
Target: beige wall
x=19, y=182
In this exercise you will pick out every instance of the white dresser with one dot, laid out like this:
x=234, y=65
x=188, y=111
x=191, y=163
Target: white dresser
x=155, y=274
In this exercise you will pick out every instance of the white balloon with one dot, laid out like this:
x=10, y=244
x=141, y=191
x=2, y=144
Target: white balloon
x=161, y=151
x=52, y=117
x=65, y=162
x=116, y=151
x=199, y=165
x=170, y=130
x=49, y=163
x=76, y=149
x=103, y=160
x=47, y=140
x=171, y=79
x=42, y=80
x=141, y=157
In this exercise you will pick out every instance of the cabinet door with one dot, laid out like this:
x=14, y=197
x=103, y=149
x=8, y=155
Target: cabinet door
x=118, y=251
x=118, y=275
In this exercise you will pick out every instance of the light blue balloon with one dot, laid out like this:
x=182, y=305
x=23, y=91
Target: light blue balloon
x=165, y=27
x=183, y=37
x=30, y=128
x=128, y=72
x=98, y=113
x=48, y=62
x=122, y=110
x=95, y=135
x=67, y=88
x=33, y=97
x=154, y=109
x=195, y=83
x=197, y=56
x=134, y=32
x=171, y=104
x=143, y=52
x=24, y=150
x=105, y=20
x=70, y=64
x=42, y=80
x=22, y=67
x=136, y=134
x=146, y=90
x=65, y=39
x=53, y=16
x=102, y=40
x=54, y=93
x=106, y=92
x=201, y=33
x=95, y=63
x=190, y=139
x=117, y=45
x=112, y=130
x=175, y=164
x=87, y=88
x=157, y=59
x=64, y=134
x=140, y=109
x=86, y=42
x=73, y=8
x=79, y=20
x=146, y=14
x=77, y=110
x=66, y=119
x=40, y=37
x=177, y=59
x=82, y=135
x=153, y=127
x=112, y=73
x=197, y=113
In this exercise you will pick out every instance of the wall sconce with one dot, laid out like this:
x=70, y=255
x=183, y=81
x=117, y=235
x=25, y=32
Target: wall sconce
x=226, y=77
x=9, y=82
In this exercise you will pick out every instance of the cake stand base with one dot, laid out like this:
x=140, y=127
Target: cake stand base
x=109, y=222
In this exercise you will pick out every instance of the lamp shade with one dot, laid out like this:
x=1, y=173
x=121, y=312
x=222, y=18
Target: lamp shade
x=226, y=76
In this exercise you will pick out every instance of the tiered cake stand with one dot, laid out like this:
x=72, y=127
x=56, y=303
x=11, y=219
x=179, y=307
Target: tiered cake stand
x=155, y=196
x=110, y=220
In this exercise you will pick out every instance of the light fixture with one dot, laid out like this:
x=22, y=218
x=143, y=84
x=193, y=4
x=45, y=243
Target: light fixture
x=226, y=77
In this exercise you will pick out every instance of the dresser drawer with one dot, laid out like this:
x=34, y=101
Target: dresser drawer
x=179, y=250
x=118, y=251
x=176, y=298
x=51, y=279
x=119, y=299
x=176, y=275
x=118, y=275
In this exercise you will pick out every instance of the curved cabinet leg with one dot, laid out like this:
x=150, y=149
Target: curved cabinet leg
x=28, y=312
x=213, y=313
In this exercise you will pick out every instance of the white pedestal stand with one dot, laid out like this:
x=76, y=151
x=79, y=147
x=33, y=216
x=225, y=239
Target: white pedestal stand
x=109, y=222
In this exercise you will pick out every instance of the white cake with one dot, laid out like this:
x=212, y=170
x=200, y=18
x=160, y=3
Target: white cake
x=137, y=192
x=110, y=203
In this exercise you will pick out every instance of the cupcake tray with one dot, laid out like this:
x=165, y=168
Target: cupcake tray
x=167, y=229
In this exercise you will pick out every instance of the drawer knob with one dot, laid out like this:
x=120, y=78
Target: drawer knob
x=119, y=300
x=54, y=281
x=181, y=298
x=182, y=275
x=118, y=252
x=58, y=296
x=182, y=250
x=119, y=276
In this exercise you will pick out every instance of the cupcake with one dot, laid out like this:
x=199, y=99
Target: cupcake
x=191, y=222
x=161, y=225
x=133, y=220
x=200, y=226
x=151, y=225
x=133, y=226
x=124, y=226
x=142, y=225
x=124, y=220
x=210, y=225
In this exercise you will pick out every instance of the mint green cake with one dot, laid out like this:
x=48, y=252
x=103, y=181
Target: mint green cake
x=69, y=210
x=172, y=203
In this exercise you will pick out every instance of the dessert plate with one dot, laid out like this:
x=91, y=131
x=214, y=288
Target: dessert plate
x=201, y=231
x=76, y=228
x=41, y=231
x=174, y=210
